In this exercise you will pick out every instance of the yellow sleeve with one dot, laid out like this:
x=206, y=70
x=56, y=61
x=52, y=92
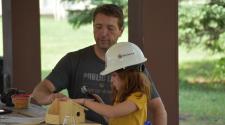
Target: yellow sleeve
x=139, y=99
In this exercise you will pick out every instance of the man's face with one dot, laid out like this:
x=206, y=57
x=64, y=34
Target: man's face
x=106, y=31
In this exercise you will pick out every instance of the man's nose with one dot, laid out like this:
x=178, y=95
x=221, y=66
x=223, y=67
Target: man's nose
x=104, y=31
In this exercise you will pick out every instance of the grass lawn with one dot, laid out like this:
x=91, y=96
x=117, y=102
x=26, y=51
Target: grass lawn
x=59, y=38
x=201, y=96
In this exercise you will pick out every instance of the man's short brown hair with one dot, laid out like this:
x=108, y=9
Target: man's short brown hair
x=111, y=10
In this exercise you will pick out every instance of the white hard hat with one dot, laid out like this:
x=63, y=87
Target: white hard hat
x=122, y=55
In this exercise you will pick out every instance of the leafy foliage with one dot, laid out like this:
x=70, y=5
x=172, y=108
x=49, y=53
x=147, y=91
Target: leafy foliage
x=219, y=71
x=78, y=18
x=203, y=25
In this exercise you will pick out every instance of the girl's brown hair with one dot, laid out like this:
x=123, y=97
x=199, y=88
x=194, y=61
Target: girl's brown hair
x=133, y=81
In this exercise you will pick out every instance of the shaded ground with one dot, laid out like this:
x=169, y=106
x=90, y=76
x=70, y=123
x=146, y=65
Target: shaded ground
x=187, y=119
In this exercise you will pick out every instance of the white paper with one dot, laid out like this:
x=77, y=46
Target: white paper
x=20, y=120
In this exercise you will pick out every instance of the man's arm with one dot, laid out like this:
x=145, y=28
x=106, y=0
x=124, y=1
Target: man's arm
x=43, y=93
x=157, y=112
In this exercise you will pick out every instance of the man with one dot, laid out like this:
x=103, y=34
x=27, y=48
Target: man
x=83, y=67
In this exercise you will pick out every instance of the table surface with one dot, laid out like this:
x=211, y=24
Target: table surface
x=34, y=115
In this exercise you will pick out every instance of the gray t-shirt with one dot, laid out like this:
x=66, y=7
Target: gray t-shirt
x=82, y=68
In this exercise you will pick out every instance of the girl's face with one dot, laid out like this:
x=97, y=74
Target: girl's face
x=116, y=81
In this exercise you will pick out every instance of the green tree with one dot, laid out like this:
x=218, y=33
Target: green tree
x=204, y=25
x=78, y=18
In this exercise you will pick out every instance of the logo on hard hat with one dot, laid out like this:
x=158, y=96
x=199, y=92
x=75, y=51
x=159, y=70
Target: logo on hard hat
x=124, y=55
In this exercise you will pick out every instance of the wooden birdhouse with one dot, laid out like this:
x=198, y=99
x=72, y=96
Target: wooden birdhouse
x=61, y=108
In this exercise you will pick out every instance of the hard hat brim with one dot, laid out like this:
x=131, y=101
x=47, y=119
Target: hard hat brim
x=109, y=70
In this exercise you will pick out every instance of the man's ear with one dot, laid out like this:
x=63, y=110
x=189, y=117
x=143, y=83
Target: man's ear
x=121, y=30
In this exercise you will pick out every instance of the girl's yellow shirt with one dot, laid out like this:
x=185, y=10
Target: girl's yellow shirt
x=135, y=118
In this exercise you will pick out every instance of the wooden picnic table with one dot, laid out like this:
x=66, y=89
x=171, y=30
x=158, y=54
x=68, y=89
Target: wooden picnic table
x=34, y=115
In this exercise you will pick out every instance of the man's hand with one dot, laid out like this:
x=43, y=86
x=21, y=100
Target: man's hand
x=44, y=94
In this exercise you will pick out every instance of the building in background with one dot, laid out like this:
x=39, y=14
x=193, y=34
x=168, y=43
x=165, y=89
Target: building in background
x=57, y=8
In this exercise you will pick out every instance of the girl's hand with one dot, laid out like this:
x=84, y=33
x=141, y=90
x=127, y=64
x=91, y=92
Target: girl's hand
x=81, y=101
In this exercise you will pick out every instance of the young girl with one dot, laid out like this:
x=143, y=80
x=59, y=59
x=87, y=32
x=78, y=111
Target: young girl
x=130, y=86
